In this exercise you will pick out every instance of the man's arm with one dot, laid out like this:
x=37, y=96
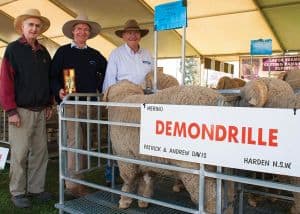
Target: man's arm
x=111, y=73
x=7, y=86
x=56, y=74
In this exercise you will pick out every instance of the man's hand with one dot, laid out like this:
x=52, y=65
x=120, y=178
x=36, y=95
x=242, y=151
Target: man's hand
x=48, y=113
x=62, y=94
x=15, y=120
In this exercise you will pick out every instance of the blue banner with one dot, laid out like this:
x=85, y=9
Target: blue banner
x=261, y=47
x=170, y=15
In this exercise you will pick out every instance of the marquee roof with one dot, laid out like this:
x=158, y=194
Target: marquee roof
x=221, y=29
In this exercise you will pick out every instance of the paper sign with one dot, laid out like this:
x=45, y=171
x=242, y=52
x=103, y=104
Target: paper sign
x=3, y=156
x=170, y=15
x=261, y=47
x=258, y=139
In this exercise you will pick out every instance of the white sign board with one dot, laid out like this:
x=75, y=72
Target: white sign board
x=259, y=139
x=3, y=156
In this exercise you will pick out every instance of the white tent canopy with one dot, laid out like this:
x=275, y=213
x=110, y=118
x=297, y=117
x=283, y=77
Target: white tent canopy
x=221, y=29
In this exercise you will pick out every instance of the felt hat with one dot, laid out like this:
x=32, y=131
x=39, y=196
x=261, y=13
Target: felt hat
x=81, y=19
x=31, y=13
x=131, y=25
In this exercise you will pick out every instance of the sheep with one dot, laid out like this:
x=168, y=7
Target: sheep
x=240, y=82
x=291, y=77
x=125, y=140
x=229, y=83
x=163, y=80
x=263, y=92
x=296, y=180
x=267, y=92
x=272, y=93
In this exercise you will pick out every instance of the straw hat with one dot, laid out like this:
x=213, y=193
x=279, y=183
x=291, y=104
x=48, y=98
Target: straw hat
x=31, y=13
x=131, y=25
x=81, y=19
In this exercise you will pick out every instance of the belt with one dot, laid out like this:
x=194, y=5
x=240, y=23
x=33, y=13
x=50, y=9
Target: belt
x=37, y=109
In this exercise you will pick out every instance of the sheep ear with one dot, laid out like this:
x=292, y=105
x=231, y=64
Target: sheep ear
x=282, y=76
x=160, y=70
x=252, y=101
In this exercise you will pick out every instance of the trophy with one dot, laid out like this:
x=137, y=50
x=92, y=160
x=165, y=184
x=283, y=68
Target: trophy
x=69, y=80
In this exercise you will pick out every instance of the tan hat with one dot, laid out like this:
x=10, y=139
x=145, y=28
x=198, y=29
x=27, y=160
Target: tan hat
x=131, y=25
x=81, y=19
x=31, y=13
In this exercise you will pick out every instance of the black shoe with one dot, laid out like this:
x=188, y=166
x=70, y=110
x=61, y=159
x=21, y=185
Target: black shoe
x=108, y=183
x=42, y=196
x=21, y=201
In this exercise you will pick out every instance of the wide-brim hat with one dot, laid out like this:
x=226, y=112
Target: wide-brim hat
x=81, y=19
x=131, y=25
x=31, y=13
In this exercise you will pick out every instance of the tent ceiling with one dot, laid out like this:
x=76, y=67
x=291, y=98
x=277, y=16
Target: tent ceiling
x=217, y=28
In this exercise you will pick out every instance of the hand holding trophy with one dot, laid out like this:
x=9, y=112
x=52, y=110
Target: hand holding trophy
x=69, y=81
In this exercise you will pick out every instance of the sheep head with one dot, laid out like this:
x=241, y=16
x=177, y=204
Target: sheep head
x=120, y=90
x=163, y=80
x=254, y=93
x=292, y=78
x=267, y=92
x=240, y=82
x=226, y=83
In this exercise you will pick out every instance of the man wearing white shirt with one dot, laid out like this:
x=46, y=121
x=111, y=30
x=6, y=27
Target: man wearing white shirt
x=129, y=61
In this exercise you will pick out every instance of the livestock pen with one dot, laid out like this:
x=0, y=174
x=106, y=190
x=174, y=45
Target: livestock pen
x=104, y=199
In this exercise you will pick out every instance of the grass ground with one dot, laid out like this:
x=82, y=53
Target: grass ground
x=52, y=185
x=6, y=206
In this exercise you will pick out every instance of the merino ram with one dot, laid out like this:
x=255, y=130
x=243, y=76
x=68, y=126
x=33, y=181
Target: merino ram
x=263, y=92
x=125, y=140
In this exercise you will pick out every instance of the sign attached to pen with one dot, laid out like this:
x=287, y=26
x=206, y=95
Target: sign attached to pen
x=3, y=156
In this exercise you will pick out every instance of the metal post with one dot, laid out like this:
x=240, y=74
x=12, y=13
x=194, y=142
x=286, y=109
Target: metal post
x=4, y=125
x=252, y=72
x=201, y=196
x=155, y=61
x=62, y=155
x=88, y=133
x=77, y=162
x=269, y=67
x=206, y=81
x=219, y=192
x=99, y=131
x=183, y=54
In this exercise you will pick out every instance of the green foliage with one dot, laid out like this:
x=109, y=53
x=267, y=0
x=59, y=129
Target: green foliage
x=191, y=71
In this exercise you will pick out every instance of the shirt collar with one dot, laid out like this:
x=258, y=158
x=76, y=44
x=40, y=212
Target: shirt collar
x=74, y=45
x=24, y=41
x=129, y=50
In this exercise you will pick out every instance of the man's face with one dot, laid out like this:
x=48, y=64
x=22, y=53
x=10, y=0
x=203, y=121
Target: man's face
x=81, y=33
x=31, y=28
x=132, y=37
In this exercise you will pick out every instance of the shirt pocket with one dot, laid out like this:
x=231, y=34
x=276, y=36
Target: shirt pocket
x=147, y=64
